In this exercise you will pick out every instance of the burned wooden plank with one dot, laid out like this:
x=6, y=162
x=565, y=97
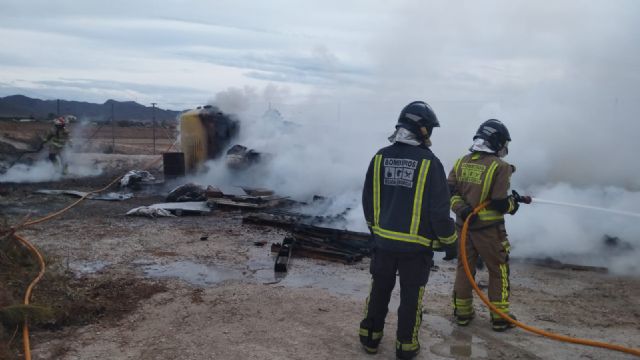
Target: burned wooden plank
x=321, y=254
x=347, y=246
x=552, y=263
x=284, y=254
x=263, y=218
x=250, y=203
x=354, y=241
x=316, y=241
x=327, y=248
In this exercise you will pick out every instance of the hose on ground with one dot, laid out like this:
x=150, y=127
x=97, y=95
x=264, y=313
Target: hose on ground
x=27, y=295
x=463, y=256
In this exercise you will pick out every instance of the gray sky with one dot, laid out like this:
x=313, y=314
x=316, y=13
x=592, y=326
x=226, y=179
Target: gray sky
x=563, y=75
x=181, y=53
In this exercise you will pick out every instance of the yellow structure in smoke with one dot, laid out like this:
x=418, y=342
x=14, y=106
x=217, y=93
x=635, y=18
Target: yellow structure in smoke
x=204, y=133
x=193, y=139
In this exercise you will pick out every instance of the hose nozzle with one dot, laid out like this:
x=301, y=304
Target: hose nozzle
x=521, y=198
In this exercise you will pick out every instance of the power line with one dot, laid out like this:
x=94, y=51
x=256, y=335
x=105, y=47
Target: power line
x=154, y=127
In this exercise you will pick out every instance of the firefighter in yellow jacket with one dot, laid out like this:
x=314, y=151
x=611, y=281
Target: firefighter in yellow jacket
x=482, y=175
x=406, y=204
x=56, y=141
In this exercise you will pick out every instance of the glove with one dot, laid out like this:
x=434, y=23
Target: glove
x=466, y=212
x=516, y=206
x=436, y=246
x=507, y=205
x=451, y=252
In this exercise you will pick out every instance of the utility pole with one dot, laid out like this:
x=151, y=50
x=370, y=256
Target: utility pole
x=113, y=131
x=57, y=107
x=154, y=127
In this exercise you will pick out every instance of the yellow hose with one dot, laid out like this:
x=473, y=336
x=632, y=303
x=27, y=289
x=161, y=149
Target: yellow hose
x=485, y=300
x=27, y=295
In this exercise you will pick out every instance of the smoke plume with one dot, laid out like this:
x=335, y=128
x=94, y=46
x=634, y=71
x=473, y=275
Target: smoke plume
x=561, y=77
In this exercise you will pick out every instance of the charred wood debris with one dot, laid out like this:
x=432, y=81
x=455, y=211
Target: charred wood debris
x=308, y=240
x=308, y=235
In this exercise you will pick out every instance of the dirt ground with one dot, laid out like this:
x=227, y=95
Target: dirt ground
x=218, y=298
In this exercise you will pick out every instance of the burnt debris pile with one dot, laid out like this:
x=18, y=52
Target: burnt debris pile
x=309, y=240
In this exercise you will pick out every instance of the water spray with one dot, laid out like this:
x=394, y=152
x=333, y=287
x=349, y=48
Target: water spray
x=529, y=199
x=536, y=200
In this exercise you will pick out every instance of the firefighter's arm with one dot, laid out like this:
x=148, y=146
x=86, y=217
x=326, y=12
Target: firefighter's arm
x=501, y=201
x=367, y=196
x=438, y=201
x=457, y=203
x=44, y=139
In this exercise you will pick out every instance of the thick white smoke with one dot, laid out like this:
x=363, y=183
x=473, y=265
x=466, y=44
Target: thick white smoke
x=309, y=154
x=324, y=148
x=41, y=170
x=561, y=77
x=44, y=170
x=580, y=235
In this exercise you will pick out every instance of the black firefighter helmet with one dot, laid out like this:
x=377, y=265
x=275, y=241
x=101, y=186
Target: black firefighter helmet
x=495, y=133
x=417, y=115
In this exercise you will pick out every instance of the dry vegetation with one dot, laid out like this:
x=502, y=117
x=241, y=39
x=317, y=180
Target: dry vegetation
x=61, y=299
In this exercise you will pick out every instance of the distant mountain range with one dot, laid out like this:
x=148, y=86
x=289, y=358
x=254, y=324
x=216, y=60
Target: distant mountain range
x=20, y=106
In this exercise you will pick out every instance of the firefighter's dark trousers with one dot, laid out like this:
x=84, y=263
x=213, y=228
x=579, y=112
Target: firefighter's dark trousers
x=492, y=245
x=57, y=160
x=413, y=269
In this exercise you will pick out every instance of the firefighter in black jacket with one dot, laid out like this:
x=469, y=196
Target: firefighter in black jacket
x=406, y=205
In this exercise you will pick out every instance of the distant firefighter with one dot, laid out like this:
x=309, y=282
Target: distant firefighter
x=56, y=140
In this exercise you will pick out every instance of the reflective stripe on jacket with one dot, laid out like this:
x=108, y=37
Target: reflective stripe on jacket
x=478, y=177
x=406, y=199
x=57, y=139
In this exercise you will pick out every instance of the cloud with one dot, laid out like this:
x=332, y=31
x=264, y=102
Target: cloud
x=162, y=50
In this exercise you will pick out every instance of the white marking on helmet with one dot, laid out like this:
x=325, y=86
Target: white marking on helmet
x=413, y=117
x=489, y=130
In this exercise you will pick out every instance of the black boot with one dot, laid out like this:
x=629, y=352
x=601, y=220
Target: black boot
x=405, y=354
x=464, y=320
x=369, y=338
x=501, y=324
